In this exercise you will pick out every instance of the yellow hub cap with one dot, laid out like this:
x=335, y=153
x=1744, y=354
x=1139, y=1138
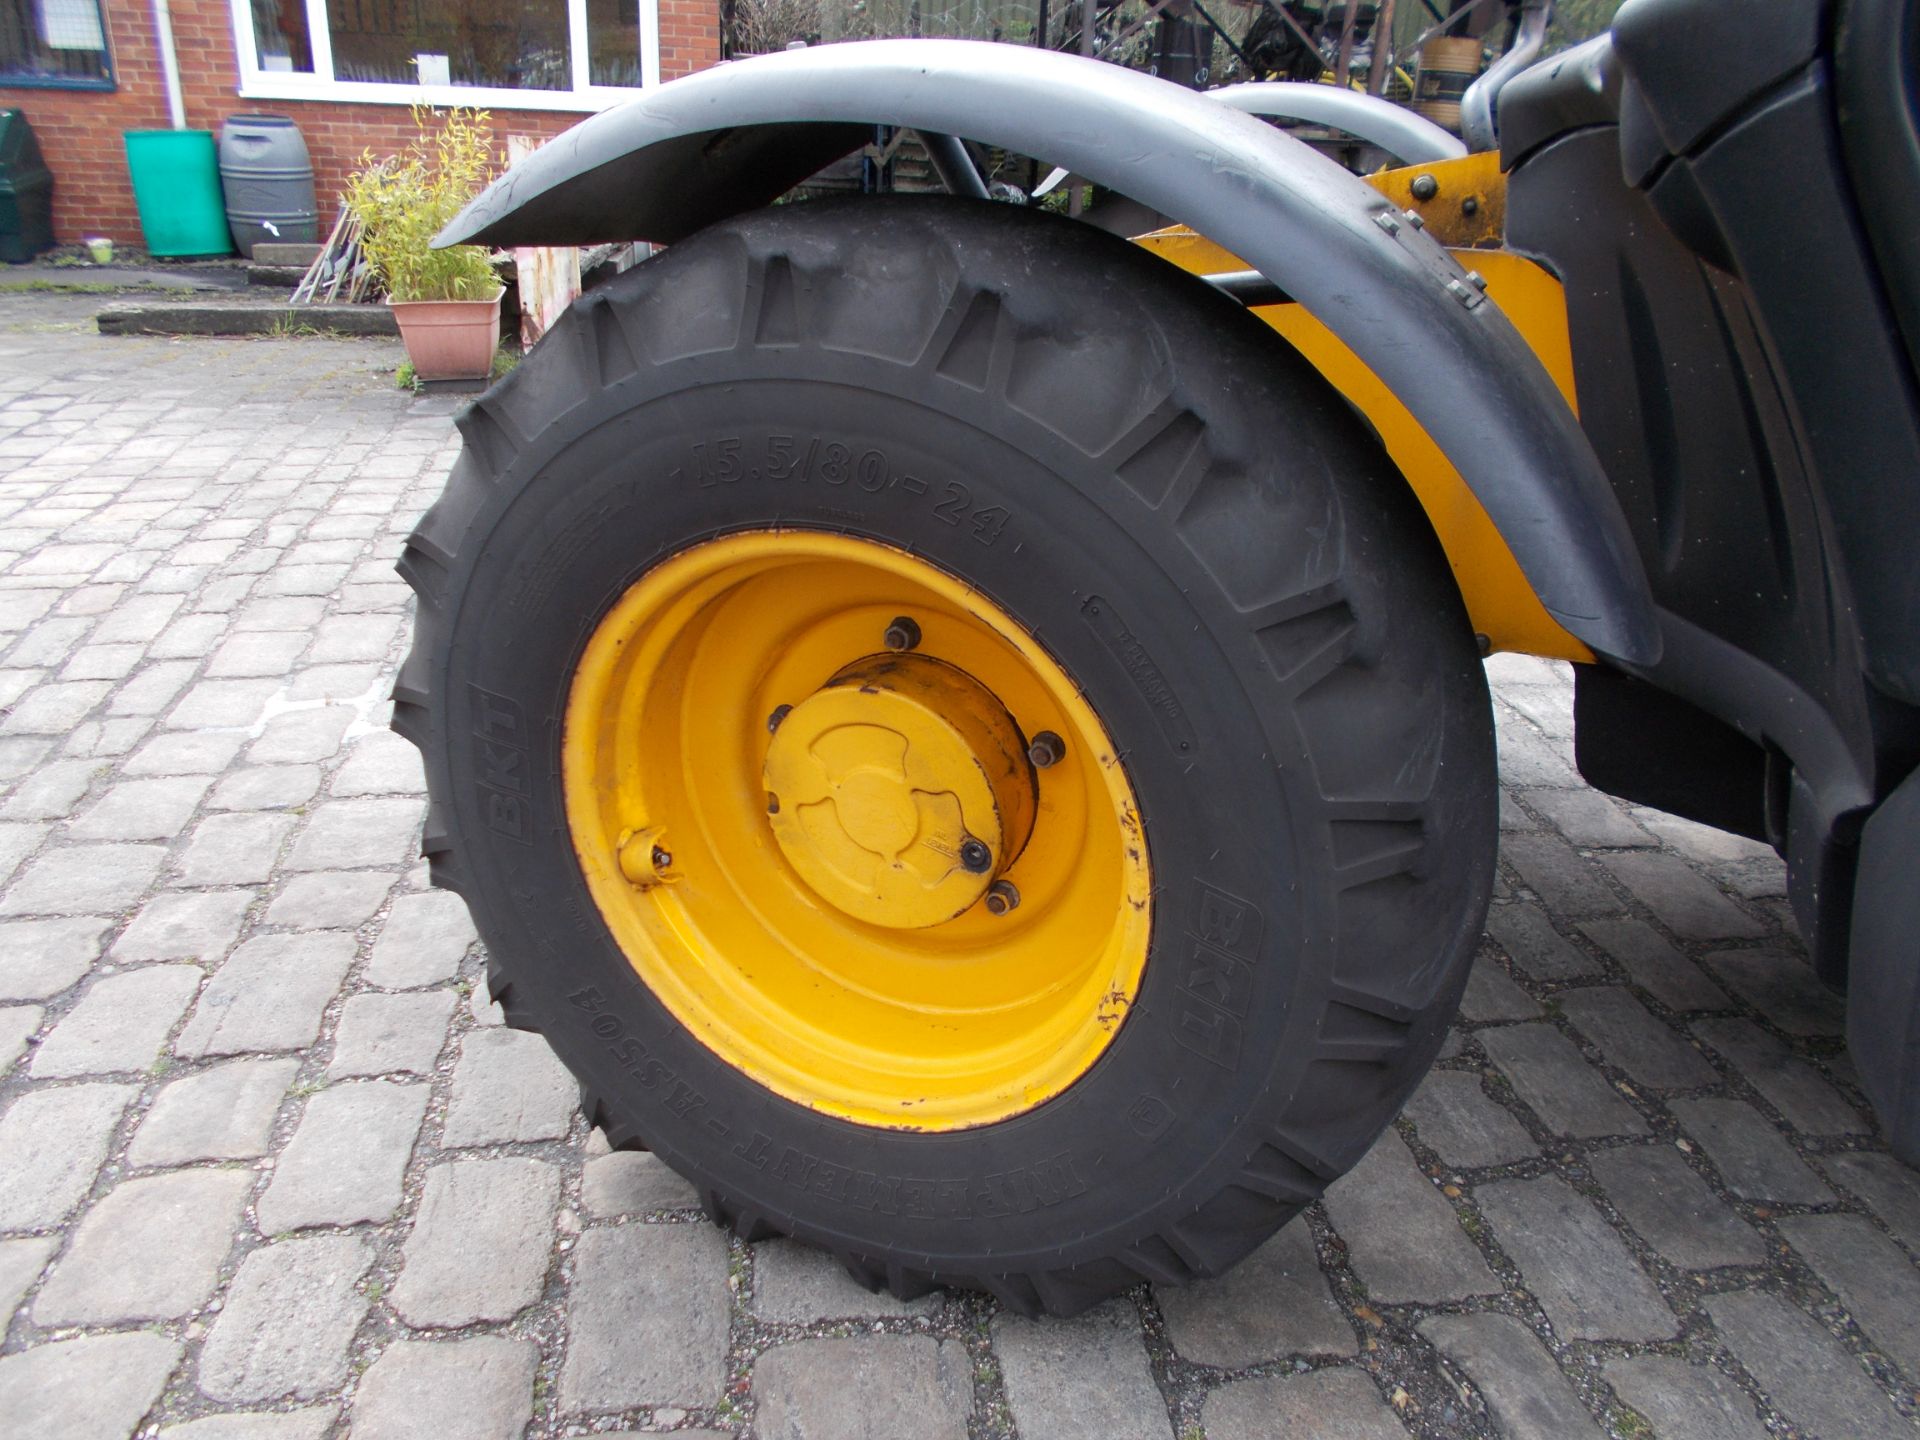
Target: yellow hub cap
x=834, y=861
x=899, y=790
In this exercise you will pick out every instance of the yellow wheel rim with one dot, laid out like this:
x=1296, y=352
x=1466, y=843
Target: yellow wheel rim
x=876, y=905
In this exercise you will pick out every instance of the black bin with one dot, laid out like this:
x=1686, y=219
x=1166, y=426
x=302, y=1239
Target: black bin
x=26, y=191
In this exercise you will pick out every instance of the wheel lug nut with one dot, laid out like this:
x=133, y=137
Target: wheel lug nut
x=903, y=633
x=975, y=856
x=643, y=859
x=1047, y=749
x=1002, y=896
x=780, y=712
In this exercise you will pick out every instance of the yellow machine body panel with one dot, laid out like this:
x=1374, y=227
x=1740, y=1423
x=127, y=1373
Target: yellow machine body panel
x=1500, y=602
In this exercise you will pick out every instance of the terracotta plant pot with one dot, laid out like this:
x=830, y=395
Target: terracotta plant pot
x=450, y=339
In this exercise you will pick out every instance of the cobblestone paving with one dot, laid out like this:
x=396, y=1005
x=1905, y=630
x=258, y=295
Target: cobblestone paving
x=270, y=1168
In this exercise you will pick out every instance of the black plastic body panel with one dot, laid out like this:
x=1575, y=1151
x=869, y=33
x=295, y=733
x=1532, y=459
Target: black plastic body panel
x=1748, y=387
x=1883, y=1008
x=1647, y=745
x=1877, y=62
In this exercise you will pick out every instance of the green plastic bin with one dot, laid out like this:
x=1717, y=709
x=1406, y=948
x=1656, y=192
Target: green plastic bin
x=176, y=185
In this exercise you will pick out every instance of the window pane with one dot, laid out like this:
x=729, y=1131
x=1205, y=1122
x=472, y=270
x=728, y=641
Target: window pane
x=511, y=44
x=280, y=32
x=613, y=42
x=54, y=41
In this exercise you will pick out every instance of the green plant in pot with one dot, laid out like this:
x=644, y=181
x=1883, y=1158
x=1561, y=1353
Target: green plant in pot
x=446, y=302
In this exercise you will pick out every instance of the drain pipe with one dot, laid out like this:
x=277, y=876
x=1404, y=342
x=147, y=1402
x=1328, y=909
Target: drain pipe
x=169, y=63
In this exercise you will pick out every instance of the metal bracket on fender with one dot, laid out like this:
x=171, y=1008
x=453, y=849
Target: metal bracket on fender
x=735, y=137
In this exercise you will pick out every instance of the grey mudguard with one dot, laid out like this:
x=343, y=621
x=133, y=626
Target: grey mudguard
x=729, y=139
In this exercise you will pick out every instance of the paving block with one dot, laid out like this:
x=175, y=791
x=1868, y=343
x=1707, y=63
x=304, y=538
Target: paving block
x=1791, y=1085
x=1322, y=1402
x=185, y=925
x=40, y=958
x=480, y=1244
x=1081, y=1379
x=1528, y=1396
x=330, y=900
x=1621, y=1028
x=1815, y=1383
x=268, y=996
x=1554, y=1078
x=347, y=1159
x=391, y=1034
x=1686, y=1402
x=1273, y=1303
x=647, y=1322
x=97, y=1387
x=120, y=1024
x=1403, y=1238
x=222, y=1113
x=423, y=941
x=866, y=1387
x=1674, y=1209
x=52, y=1143
x=633, y=1182
x=150, y=1250
x=288, y=1321
x=1452, y=1113
x=1579, y=1270
x=508, y=1086
x=1749, y=1153
x=476, y=1389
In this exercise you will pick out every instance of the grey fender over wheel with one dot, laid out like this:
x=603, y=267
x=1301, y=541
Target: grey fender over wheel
x=1172, y=507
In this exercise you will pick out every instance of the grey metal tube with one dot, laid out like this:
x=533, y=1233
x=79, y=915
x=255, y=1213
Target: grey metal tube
x=954, y=165
x=1410, y=138
x=1479, y=106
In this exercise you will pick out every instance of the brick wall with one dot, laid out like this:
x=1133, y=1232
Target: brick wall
x=80, y=130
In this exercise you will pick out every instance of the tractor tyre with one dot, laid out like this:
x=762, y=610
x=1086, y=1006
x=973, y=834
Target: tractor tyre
x=960, y=739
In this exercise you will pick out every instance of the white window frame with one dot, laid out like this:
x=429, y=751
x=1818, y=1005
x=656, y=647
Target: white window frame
x=258, y=84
